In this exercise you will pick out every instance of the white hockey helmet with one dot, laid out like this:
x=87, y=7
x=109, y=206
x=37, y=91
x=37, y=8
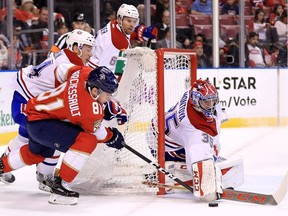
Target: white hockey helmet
x=80, y=37
x=126, y=10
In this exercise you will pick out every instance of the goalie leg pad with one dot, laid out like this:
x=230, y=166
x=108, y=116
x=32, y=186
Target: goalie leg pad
x=206, y=180
x=232, y=172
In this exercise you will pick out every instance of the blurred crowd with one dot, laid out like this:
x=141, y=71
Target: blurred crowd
x=265, y=29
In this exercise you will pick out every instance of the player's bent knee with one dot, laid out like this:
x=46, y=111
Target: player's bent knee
x=85, y=142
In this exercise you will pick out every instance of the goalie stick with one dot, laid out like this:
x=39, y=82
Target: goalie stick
x=228, y=194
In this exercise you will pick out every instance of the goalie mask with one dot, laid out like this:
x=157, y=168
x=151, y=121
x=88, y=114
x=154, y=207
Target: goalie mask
x=103, y=79
x=204, y=97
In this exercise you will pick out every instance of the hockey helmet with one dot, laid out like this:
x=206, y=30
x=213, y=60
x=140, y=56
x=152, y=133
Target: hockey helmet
x=80, y=37
x=204, y=97
x=126, y=10
x=103, y=79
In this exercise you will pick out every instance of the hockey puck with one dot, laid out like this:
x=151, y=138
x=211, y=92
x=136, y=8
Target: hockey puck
x=213, y=204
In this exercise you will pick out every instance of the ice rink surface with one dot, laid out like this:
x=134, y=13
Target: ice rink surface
x=265, y=154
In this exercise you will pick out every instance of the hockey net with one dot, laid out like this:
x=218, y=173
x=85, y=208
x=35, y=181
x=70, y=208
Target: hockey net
x=152, y=82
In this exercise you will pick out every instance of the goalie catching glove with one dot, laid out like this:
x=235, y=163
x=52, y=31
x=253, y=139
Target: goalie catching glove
x=114, y=110
x=116, y=140
x=143, y=33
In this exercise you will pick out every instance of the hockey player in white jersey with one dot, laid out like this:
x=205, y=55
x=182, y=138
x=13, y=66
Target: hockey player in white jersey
x=31, y=81
x=117, y=35
x=192, y=130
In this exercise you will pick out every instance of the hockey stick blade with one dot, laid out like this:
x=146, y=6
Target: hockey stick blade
x=157, y=166
x=257, y=198
x=241, y=196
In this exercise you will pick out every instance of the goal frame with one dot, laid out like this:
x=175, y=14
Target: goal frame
x=161, y=101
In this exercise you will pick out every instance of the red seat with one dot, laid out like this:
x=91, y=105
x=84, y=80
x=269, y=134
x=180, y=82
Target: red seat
x=200, y=19
x=229, y=31
x=247, y=19
x=227, y=20
x=204, y=29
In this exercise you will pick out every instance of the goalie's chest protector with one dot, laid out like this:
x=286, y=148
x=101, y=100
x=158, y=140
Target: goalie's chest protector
x=192, y=126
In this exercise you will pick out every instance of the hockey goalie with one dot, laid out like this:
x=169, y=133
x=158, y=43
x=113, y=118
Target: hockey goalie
x=192, y=128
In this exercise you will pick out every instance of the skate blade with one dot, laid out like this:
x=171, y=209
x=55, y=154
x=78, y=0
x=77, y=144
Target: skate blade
x=7, y=178
x=44, y=187
x=62, y=200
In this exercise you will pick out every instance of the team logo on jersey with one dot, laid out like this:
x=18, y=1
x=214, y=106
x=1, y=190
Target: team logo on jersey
x=97, y=125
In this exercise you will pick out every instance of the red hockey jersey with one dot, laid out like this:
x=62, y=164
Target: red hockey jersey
x=69, y=102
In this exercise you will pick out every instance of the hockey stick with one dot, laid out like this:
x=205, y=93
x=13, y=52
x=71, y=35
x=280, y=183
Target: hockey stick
x=241, y=196
x=228, y=194
x=170, y=175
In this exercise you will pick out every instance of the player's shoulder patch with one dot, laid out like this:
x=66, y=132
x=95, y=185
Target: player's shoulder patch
x=104, y=30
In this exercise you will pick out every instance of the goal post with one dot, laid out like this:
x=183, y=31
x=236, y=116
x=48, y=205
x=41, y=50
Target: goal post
x=152, y=82
x=191, y=68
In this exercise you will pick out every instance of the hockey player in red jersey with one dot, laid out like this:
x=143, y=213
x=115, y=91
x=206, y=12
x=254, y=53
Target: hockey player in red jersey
x=33, y=80
x=117, y=35
x=67, y=119
x=192, y=130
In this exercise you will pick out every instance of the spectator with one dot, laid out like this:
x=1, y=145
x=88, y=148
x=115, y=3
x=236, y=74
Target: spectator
x=161, y=6
x=17, y=54
x=207, y=48
x=165, y=42
x=282, y=28
x=61, y=30
x=28, y=12
x=282, y=56
x=254, y=54
x=163, y=24
x=199, y=7
x=3, y=56
x=25, y=42
x=276, y=14
x=265, y=3
x=232, y=57
x=202, y=60
x=259, y=25
x=40, y=37
x=230, y=7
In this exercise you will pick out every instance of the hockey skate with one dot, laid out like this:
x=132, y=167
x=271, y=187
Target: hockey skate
x=6, y=178
x=61, y=194
x=45, y=181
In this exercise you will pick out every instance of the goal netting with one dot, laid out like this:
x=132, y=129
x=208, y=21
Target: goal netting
x=152, y=82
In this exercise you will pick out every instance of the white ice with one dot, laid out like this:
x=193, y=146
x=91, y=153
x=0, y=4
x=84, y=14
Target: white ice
x=265, y=155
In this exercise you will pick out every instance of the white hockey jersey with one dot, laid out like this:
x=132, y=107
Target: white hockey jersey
x=33, y=80
x=187, y=128
x=109, y=41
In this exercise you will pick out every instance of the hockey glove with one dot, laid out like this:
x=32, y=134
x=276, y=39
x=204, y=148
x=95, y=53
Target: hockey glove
x=150, y=32
x=116, y=140
x=114, y=110
x=146, y=33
